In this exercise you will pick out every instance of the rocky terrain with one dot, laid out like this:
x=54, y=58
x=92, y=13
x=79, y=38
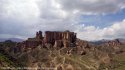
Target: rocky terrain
x=61, y=51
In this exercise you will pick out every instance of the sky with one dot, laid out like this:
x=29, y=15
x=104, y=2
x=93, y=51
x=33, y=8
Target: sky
x=90, y=19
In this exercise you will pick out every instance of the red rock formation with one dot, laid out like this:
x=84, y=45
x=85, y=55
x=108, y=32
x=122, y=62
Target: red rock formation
x=58, y=39
x=114, y=43
x=51, y=37
x=58, y=43
x=66, y=43
x=82, y=43
x=39, y=35
x=33, y=42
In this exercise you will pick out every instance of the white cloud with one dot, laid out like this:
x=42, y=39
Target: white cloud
x=93, y=6
x=22, y=18
x=92, y=33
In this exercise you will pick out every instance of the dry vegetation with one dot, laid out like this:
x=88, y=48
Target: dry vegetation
x=95, y=58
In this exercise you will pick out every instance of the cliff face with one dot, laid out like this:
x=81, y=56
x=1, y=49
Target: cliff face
x=51, y=37
x=58, y=39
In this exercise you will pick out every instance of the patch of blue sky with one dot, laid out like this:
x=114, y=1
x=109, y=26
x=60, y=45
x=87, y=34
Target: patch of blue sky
x=102, y=21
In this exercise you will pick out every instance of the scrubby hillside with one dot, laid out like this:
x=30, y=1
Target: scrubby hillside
x=6, y=62
x=62, y=51
x=96, y=58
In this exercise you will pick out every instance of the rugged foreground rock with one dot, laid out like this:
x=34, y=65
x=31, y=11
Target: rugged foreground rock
x=63, y=51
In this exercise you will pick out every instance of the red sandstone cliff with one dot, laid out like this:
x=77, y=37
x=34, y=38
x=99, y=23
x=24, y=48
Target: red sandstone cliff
x=58, y=39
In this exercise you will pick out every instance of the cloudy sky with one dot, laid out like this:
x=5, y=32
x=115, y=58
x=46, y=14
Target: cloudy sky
x=90, y=19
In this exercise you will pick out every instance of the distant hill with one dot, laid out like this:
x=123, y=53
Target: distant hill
x=12, y=39
x=99, y=42
x=104, y=41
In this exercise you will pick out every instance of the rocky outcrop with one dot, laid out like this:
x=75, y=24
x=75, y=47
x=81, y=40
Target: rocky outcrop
x=114, y=43
x=52, y=36
x=60, y=39
x=58, y=43
x=39, y=35
x=55, y=38
x=33, y=42
x=66, y=43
